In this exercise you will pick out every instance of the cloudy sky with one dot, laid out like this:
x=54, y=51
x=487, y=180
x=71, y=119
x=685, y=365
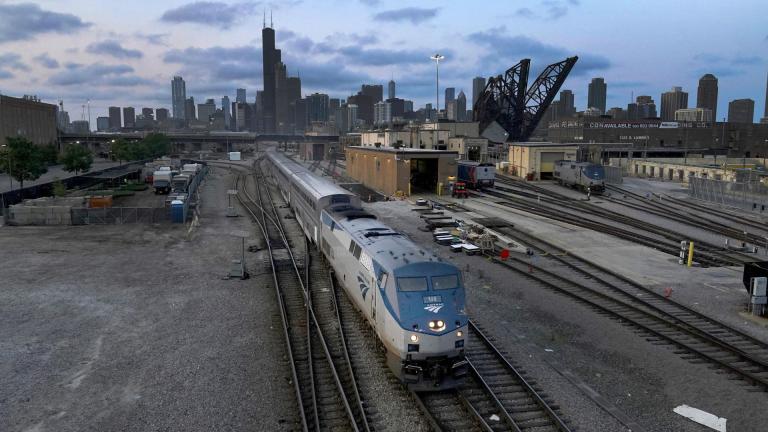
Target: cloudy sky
x=126, y=52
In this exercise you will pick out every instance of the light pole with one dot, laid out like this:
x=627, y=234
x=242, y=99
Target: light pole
x=10, y=166
x=437, y=58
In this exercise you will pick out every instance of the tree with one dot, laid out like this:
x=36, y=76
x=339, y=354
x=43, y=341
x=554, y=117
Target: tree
x=24, y=160
x=59, y=189
x=156, y=145
x=76, y=158
x=121, y=150
x=49, y=153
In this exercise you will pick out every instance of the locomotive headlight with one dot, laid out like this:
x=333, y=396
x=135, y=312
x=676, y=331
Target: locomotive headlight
x=459, y=333
x=414, y=338
x=437, y=325
x=440, y=323
x=432, y=324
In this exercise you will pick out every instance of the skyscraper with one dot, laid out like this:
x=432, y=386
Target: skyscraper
x=317, y=107
x=148, y=113
x=741, y=111
x=270, y=57
x=129, y=117
x=161, y=114
x=189, y=109
x=373, y=91
x=478, y=85
x=226, y=106
x=597, y=95
x=391, y=89
x=765, y=114
x=461, y=107
x=178, y=97
x=240, y=95
x=706, y=94
x=114, y=118
x=672, y=101
x=450, y=95
x=566, y=107
x=206, y=110
x=646, y=107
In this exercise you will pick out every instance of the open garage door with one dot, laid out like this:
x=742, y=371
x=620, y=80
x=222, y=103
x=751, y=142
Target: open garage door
x=423, y=175
x=547, y=166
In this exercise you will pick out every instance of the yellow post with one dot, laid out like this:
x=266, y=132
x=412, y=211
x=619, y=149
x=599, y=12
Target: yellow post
x=690, y=254
x=439, y=189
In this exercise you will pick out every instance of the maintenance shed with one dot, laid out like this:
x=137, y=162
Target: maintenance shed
x=402, y=171
x=536, y=160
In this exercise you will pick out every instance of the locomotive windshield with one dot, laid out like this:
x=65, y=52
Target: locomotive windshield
x=412, y=283
x=596, y=172
x=445, y=282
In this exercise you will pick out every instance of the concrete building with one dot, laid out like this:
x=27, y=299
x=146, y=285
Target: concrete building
x=450, y=95
x=741, y=111
x=364, y=105
x=706, y=94
x=566, y=106
x=450, y=110
x=114, y=118
x=617, y=113
x=672, y=101
x=102, y=124
x=597, y=94
x=80, y=127
x=391, y=89
x=129, y=117
x=461, y=107
x=475, y=149
x=29, y=118
x=206, y=110
x=382, y=114
x=178, y=98
x=161, y=114
x=401, y=172
x=478, y=85
x=694, y=115
x=148, y=113
x=646, y=108
x=536, y=160
x=226, y=108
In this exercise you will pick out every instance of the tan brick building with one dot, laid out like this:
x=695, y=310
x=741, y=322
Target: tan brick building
x=28, y=118
x=401, y=171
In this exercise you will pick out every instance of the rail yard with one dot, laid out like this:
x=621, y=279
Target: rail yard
x=579, y=317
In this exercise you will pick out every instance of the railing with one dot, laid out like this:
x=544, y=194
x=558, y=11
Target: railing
x=749, y=195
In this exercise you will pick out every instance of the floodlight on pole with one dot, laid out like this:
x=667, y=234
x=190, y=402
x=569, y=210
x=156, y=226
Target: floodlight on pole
x=437, y=57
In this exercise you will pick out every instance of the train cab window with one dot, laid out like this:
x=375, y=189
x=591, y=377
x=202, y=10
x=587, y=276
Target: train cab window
x=340, y=199
x=412, y=283
x=445, y=282
x=383, y=276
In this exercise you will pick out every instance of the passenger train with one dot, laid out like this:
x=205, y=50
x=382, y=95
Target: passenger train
x=413, y=300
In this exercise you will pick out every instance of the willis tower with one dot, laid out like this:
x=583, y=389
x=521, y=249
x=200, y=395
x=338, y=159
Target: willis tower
x=271, y=57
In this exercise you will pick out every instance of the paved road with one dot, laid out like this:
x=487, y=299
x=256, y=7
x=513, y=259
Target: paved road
x=54, y=172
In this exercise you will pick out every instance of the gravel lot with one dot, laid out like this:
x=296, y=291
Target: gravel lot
x=132, y=328
x=554, y=338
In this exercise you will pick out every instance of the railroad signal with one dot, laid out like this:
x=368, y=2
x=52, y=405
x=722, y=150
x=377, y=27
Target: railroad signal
x=504, y=254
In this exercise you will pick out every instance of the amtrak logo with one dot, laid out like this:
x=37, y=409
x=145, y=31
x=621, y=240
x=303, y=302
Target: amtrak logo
x=363, y=286
x=434, y=307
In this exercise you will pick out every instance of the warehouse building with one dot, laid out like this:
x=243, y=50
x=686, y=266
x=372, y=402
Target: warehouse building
x=402, y=172
x=536, y=160
x=29, y=118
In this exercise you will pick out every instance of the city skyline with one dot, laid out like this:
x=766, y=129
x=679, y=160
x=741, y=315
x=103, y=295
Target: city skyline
x=79, y=56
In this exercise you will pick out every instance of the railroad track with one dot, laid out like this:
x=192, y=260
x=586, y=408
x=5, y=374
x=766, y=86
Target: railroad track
x=494, y=397
x=686, y=215
x=322, y=382
x=696, y=336
x=650, y=235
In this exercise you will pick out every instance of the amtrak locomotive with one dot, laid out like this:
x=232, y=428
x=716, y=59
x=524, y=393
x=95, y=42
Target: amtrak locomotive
x=413, y=300
x=581, y=175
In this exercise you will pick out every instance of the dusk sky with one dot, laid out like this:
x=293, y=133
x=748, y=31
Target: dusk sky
x=125, y=53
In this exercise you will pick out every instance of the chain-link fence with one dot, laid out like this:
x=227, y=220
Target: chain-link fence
x=748, y=194
x=614, y=174
x=119, y=215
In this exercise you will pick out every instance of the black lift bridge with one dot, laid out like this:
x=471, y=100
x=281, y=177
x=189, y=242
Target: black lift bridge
x=508, y=101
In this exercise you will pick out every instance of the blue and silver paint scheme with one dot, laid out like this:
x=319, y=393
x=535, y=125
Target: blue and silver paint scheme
x=402, y=290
